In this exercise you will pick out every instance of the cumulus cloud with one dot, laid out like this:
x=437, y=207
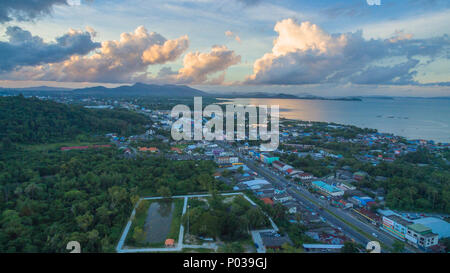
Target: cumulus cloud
x=231, y=34
x=169, y=51
x=305, y=54
x=198, y=66
x=25, y=10
x=125, y=60
x=24, y=49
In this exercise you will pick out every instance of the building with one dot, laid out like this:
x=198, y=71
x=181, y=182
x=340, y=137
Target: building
x=421, y=236
x=278, y=165
x=169, y=243
x=282, y=198
x=322, y=248
x=227, y=160
x=151, y=149
x=268, y=159
x=175, y=149
x=396, y=226
x=304, y=176
x=267, y=201
x=362, y=201
x=255, y=184
x=441, y=227
x=274, y=240
x=291, y=206
x=358, y=176
x=327, y=189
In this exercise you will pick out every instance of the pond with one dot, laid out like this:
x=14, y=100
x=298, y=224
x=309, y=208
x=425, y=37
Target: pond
x=158, y=221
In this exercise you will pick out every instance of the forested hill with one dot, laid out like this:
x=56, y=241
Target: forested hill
x=30, y=120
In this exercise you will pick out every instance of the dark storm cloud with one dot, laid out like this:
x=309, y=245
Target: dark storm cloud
x=25, y=10
x=23, y=49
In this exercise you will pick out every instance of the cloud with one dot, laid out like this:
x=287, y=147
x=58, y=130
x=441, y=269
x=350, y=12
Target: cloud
x=24, y=49
x=26, y=10
x=305, y=54
x=197, y=67
x=124, y=60
x=229, y=33
x=250, y=2
x=169, y=51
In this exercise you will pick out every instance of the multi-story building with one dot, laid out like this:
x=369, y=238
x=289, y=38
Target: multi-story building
x=396, y=226
x=421, y=236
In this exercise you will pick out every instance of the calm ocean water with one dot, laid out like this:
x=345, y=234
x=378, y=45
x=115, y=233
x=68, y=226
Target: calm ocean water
x=412, y=118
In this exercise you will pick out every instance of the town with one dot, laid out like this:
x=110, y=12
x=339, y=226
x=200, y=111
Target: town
x=315, y=175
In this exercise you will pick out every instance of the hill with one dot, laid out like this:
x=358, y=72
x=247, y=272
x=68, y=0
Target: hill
x=30, y=120
x=140, y=89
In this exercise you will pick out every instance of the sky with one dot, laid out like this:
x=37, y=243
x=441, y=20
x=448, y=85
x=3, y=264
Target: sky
x=321, y=47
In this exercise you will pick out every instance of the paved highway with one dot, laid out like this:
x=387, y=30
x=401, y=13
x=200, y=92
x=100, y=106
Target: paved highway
x=305, y=197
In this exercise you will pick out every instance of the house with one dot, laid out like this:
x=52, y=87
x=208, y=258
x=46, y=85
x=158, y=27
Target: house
x=274, y=240
x=150, y=149
x=175, y=149
x=343, y=175
x=304, y=176
x=358, y=176
x=278, y=165
x=282, y=198
x=291, y=206
x=267, y=201
x=169, y=243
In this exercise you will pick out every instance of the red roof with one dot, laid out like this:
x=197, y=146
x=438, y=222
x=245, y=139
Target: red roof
x=267, y=201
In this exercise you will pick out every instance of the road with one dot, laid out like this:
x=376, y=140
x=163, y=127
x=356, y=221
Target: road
x=335, y=216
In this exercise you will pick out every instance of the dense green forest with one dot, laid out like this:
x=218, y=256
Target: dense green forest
x=228, y=221
x=50, y=198
x=408, y=186
x=30, y=120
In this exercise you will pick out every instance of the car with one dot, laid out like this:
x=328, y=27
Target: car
x=374, y=235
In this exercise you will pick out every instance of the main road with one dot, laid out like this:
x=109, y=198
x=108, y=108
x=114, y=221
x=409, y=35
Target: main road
x=361, y=232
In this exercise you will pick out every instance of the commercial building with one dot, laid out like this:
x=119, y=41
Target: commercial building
x=266, y=158
x=441, y=227
x=421, y=236
x=396, y=226
x=327, y=189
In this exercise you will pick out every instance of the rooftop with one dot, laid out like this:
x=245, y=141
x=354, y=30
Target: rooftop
x=400, y=220
x=419, y=228
x=437, y=225
x=325, y=186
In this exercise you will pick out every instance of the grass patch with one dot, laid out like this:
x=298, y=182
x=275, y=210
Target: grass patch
x=56, y=146
x=176, y=219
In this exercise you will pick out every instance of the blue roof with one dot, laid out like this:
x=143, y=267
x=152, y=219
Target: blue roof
x=437, y=225
x=325, y=186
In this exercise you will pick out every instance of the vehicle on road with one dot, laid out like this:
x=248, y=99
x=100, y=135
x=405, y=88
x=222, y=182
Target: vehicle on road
x=374, y=235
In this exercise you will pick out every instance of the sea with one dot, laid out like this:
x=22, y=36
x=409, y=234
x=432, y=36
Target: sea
x=412, y=118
